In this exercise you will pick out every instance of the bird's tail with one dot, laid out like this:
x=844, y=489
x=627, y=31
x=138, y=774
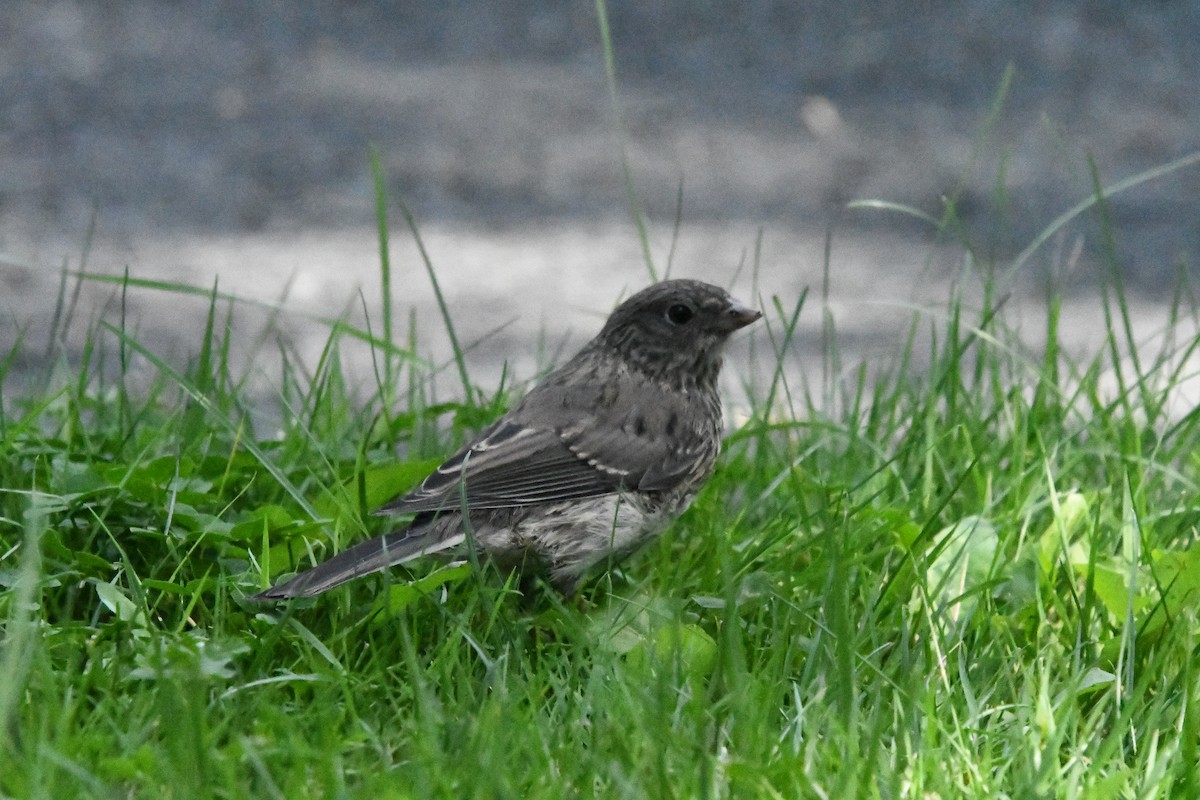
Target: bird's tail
x=362, y=559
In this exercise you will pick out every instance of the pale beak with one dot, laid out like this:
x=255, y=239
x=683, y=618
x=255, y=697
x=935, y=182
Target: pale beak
x=738, y=315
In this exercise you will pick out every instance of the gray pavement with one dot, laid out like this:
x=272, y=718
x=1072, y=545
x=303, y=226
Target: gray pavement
x=230, y=141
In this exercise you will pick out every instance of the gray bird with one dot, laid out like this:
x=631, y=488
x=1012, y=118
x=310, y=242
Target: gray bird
x=592, y=463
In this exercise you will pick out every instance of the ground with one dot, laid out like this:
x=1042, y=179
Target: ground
x=230, y=142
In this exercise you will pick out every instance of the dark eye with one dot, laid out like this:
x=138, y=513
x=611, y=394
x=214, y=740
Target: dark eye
x=679, y=314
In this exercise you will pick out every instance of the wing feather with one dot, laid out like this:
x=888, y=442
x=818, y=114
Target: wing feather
x=562, y=444
x=512, y=465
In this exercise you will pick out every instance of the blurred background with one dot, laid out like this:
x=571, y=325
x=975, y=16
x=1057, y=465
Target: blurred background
x=230, y=142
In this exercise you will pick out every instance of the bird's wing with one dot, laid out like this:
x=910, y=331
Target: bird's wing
x=566, y=442
x=511, y=465
x=655, y=442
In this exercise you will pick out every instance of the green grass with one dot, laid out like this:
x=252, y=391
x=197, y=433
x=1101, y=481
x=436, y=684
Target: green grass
x=977, y=579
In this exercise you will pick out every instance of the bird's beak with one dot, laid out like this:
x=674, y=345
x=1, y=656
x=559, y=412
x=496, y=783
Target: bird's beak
x=739, y=316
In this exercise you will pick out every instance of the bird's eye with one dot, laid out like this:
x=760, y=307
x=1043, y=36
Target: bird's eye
x=679, y=314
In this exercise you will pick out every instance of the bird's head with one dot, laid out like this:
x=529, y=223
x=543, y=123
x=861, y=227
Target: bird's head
x=676, y=329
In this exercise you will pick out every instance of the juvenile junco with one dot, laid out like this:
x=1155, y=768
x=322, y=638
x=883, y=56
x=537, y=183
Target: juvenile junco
x=592, y=463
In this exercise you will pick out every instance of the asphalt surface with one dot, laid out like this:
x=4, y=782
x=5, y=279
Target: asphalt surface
x=230, y=143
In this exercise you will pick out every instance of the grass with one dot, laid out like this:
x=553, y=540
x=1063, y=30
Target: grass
x=977, y=579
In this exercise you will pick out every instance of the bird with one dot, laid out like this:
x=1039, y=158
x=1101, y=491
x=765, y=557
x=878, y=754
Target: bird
x=593, y=462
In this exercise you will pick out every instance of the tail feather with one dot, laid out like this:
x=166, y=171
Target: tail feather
x=362, y=559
